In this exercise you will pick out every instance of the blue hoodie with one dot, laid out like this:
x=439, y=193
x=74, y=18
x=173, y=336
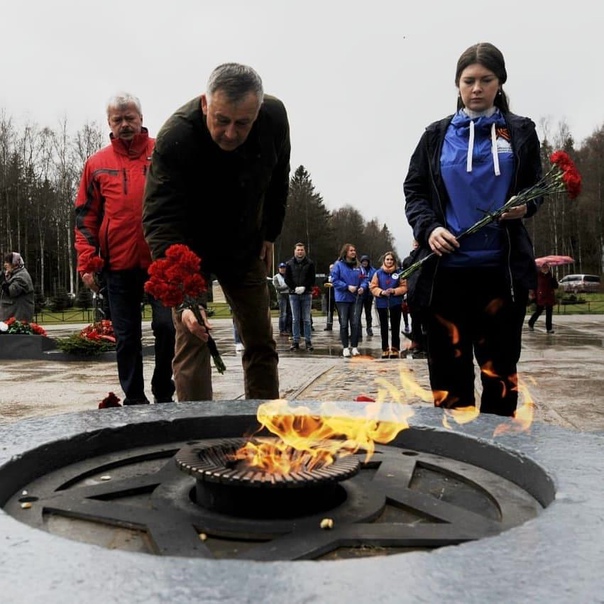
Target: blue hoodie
x=343, y=275
x=477, y=164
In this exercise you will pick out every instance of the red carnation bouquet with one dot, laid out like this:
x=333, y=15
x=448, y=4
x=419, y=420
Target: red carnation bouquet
x=563, y=176
x=21, y=327
x=176, y=281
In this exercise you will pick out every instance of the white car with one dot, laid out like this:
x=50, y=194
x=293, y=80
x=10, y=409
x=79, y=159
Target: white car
x=580, y=284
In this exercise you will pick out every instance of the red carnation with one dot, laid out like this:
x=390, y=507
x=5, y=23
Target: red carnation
x=96, y=264
x=176, y=282
x=110, y=401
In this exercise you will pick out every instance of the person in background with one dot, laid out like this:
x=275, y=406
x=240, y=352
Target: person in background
x=300, y=278
x=238, y=343
x=388, y=290
x=417, y=347
x=16, y=290
x=544, y=297
x=330, y=301
x=367, y=297
x=218, y=183
x=349, y=281
x=108, y=228
x=475, y=292
x=285, y=312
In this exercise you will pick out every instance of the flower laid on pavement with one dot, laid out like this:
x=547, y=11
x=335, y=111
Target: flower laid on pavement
x=93, y=339
x=563, y=176
x=176, y=281
x=111, y=400
x=12, y=326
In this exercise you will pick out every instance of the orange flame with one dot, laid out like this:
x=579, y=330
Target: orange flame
x=523, y=416
x=306, y=440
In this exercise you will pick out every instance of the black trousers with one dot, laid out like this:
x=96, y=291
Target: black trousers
x=390, y=321
x=473, y=314
x=125, y=293
x=549, y=311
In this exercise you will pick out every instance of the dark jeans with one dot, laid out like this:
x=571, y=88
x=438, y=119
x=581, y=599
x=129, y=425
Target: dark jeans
x=368, y=307
x=473, y=314
x=549, y=310
x=390, y=318
x=349, y=314
x=125, y=294
x=301, y=305
x=249, y=302
x=285, y=314
x=330, y=307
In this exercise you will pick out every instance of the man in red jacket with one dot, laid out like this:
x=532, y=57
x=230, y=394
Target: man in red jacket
x=109, y=239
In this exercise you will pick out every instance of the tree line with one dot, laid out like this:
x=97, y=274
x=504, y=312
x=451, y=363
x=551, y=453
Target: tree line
x=40, y=169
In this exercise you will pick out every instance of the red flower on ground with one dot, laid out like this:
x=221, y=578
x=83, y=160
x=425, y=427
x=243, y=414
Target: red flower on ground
x=110, y=401
x=101, y=330
x=363, y=398
x=24, y=327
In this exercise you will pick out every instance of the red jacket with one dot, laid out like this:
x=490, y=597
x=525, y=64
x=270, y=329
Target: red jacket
x=546, y=286
x=109, y=206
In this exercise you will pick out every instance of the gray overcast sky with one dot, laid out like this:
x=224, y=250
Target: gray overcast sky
x=360, y=80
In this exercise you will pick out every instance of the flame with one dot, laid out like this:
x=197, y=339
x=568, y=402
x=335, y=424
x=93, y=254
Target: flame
x=460, y=415
x=523, y=416
x=306, y=440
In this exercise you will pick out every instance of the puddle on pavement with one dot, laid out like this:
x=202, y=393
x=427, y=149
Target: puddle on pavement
x=577, y=339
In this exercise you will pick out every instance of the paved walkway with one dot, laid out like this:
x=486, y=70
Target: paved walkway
x=562, y=371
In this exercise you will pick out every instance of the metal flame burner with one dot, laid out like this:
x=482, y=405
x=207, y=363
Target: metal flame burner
x=231, y=487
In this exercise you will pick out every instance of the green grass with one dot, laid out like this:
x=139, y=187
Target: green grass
x=581, y=304
x=588, y=304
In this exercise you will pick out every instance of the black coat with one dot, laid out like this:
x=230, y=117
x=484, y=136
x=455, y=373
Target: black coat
x=223, y=205
x=300, y=274
x=426, y=198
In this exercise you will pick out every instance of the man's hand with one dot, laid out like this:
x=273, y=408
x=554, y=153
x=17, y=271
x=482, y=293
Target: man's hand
x=442, y=241
x=352, y=289
x=299, y=290
x=192, y=324
x=89, y=280
x=266, y=254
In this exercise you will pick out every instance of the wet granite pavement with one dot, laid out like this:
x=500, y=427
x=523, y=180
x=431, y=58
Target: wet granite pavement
x=562, y=371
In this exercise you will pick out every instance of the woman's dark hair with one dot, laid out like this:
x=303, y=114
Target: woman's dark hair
x=489, y=56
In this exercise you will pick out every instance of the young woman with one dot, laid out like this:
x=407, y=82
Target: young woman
x=349, y=281
x=474, y=295
x=388, y=291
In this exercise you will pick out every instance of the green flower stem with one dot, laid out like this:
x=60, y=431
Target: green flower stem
x=551, y=183
x=218, y=362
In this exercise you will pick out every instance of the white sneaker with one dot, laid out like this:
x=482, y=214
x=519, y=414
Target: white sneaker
x=239, y=347
x=355, y=352
x=346, y=352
